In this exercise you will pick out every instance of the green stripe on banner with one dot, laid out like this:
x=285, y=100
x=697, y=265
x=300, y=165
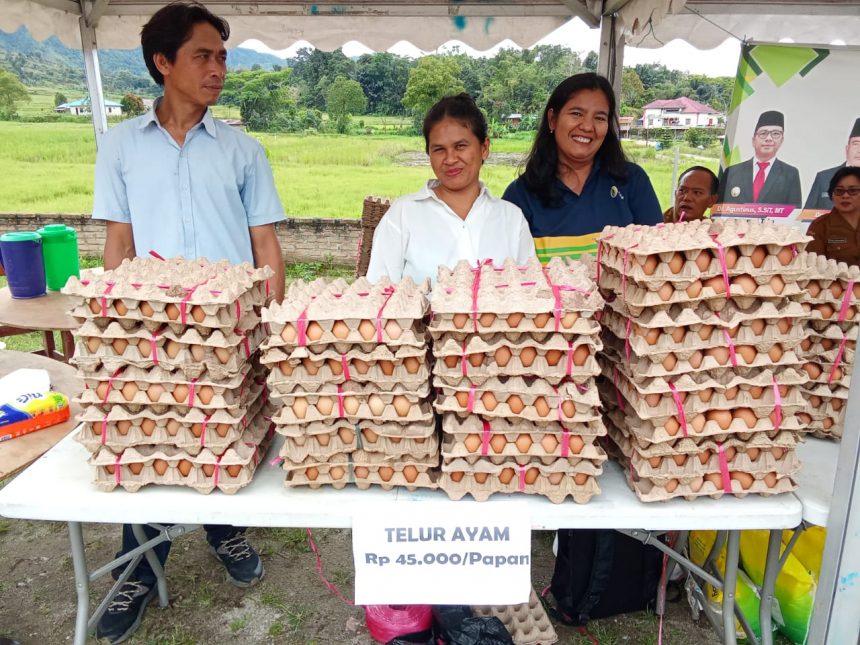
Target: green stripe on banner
x=821, y=54
x=567, y=249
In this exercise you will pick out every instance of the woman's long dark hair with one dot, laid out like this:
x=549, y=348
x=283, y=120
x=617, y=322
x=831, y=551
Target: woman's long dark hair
x=542, y=163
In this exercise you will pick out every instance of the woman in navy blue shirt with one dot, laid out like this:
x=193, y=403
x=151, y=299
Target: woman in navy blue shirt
x=577, y=179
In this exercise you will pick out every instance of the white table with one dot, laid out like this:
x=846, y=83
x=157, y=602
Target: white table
x=57, y=487
x=816, y=478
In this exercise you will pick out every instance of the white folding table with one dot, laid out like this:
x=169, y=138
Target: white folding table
x=58, y=487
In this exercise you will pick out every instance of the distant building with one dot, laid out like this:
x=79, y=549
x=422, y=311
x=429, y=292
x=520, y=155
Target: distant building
x=82, y=107
x=680, y=114
x=515, y=119
x=624, y=124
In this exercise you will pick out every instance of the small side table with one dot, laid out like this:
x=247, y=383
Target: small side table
x=46, y=314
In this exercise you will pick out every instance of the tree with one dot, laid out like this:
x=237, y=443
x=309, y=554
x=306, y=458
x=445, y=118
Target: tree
x=12, y=92
x=632, y=89
x=132, y=104
x=343, y=99
x=590, y=62
x=383, y=77
x=59, y=99
x=431, y=79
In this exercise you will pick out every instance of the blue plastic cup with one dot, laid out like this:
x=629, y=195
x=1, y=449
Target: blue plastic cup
x=21, y=257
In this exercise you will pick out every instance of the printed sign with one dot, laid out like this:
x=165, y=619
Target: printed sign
x=462, y=554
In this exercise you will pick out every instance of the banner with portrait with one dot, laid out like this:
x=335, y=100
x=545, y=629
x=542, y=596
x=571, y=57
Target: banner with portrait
x=793, y=122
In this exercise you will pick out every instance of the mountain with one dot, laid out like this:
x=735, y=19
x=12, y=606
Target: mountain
x=49, y=63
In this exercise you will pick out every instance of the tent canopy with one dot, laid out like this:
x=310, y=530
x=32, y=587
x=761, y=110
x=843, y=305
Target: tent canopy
x=427, y=24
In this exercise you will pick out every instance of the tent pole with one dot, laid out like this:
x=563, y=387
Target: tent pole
x=610, y=60
x=89, y=47
x=835, y=619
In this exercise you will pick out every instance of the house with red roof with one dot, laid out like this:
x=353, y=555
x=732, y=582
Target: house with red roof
x=682, y=113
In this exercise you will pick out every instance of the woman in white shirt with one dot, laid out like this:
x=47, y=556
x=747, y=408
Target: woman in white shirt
x=453, y=217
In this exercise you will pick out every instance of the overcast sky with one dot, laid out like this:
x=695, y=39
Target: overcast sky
x=678, y=54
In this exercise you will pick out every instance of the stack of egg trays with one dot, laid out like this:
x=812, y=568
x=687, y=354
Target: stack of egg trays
x=701, y=374
x=349, y=366
x=174, y=393
x=514, y=370
x=832, y=302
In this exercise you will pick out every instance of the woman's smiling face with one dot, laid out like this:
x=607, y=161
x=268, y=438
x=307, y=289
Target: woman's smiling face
x=456, y=154
x=580, y=126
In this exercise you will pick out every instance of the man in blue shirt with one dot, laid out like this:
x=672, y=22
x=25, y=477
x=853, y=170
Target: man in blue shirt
x=180, y=183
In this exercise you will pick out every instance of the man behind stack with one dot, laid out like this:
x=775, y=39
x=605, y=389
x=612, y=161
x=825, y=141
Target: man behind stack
x=695, y=194
x=178, y=182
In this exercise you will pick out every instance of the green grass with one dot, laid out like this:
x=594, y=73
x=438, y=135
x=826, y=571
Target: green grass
x=48, y=168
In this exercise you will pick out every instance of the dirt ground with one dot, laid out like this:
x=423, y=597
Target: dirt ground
x=290, y=605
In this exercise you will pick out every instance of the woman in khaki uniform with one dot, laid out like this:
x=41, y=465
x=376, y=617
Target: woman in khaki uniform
x=837, y=234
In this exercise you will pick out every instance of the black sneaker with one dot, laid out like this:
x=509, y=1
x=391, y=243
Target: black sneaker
x=244, y=567
x=125, y=611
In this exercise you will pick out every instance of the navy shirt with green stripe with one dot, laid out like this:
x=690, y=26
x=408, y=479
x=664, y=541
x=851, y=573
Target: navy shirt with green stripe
x=571, y=227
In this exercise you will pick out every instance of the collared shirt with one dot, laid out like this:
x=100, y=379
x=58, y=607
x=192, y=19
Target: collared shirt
x=767, y=169
x=194, y=200
x=571, y=228
x=834, y=238
x=420, y=232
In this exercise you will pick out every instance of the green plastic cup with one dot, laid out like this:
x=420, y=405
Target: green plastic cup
x=60, y=251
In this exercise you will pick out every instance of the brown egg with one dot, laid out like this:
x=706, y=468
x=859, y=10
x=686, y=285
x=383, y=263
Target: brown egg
x=652, y=336
x=323, y=439
x=744, y=479
x=311, y=366
x=814, y=288
x=119, y=307
x=731, y=393
x=451, y=361
x=136, y=468
x=180, y=393
x=288, y=333
x=324, y=405
x=393, y=329
x=836, y=404
x=756, y=391
x=703, y=261
x=462, y=398
x=672, y=426
x=746, y=283
x=696, y=359
x=146, y=309
x=540, y=320
x=716, y=479
x=655, y=462
x=569, y=319
x=346, y=435
x=580, y=479
x=723, y=418
x=580, y=355
x=705, y=395
x=460, y=320
x=387, y=367
x=705, y=331
x=502, y=356
x=679, y=460
x=456, y=476
x=825, y=310
x=412, y=364
x=476, y=360
x=184, y=467
x=716, y=283
x=785, y=256
x=208, y=469
x=366, y=329
x=410, y=473
x=747, y=416
x=154, y=392
x=234, y=470
x=486, y=319
x=777, y=284
x=340, y=329
x=527, y=356
x=205, y=393
x=172, y=348
x=121, y=426
x=704, y=456
x=532, y=475
x=678, y=334
x=119, y=346
x=514, y=320
x=300, y=407
x=770, y=480
x=666, y=291
x=472, y=443
x=671, y=485
x=198, y=314
x=553, y=356
x=102, y=390
x=720, y=354
x=385, y=473
x=360, y=366
x=172, y=311
x=650, y=264
x=812, y=370
x=401, y=405
x=523, y=443
x=775, y=353
x=314, y=332
x=568, y=409
x=732, y=331
x=696, y=484
x=160, y=466
x=129, y=390
x=197, y=352
x=541, y=406
x=669, y=362
x=576, y=444
x=515, y=403
x=360, y=472
x=312, y=473
x=757, y=326
x=376, y=405
x=826, y=344
x=498, y=443
x=336, y=472
x=758, y=256
x=746, y=353
x=753, y=453
x=731, y=257
x=489, y=401
x=676, y=264
x=549, y=443
x=506, y=475
x=555, y=478
x=94, y=343
x=173, y=427
x=777, y=452
x=369, y=435
x=837, y=373
x=480, y=478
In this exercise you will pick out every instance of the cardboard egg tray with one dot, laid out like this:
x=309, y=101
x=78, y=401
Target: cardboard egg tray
x=683, y=340
x=828, y=373
x=828, y=279
x=221, y=355
x=364, y=470
x=552, y=361
x=529, y=289
x=507, y=447
x=398, y=379
x=540, y=326
x=139, y=466
x=191, y=431
x=355, y=333
x=711, y=292
x=527, y=623
x=406, y=365
x=473, y=423
x=321, y=440
x=820, y=408
x=827, y=428
x=175, y=394
x=482, y=479
x=827, y=342
x=303, y=408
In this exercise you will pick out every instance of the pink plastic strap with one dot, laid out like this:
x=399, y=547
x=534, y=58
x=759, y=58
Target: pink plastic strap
x=476, y=284
x=522, y=478
x=268, y=288
x=732, y=355
x=106, y=292
x=846, y=300
x=470, y=404
x=203, y=431
x=794, y=250
x=565, y=442
x=246, y=344
x=302, y=328
x=569, y=369
x=619, y=399
x=110, y=382
x=682, y=417
x=777, y=404
x=464, y=366
x=217, y=471
x=192, y=386
x=238, y=311
x=624, y=272
x=724, y=469
x=627, y=339
x=276, y=461
x=389, y=291
x=485, y=439
x=556, y=296
x=104, y=430
x=345, y=365
x=116, y=466
x=340, y=410
x=838, y=359
x=722, y=254
x=153, y=347
x=156, y=256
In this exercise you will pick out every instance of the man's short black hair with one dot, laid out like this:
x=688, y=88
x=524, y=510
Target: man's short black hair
x=715, y=182
x=170, y=27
